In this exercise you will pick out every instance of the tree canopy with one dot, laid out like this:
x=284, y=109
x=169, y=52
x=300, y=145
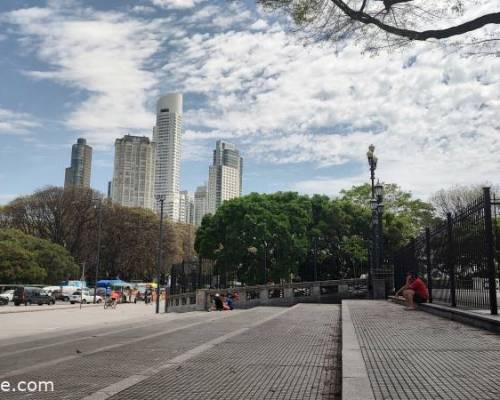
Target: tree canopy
x=403, y=20
x=27, y=259
x=287, y=232
x=129, y=236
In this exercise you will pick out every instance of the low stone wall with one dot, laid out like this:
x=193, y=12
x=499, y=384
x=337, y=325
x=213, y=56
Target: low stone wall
x=272, y=295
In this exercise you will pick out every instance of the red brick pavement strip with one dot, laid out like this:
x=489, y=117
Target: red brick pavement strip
x=415, y=355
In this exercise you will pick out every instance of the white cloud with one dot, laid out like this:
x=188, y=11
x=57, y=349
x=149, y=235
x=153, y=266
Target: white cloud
x=432, y=114
x=16, y=123
x=433, y=119
x=179, y=4
x=105, y=55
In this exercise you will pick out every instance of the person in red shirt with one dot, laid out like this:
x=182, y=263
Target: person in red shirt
x=414, y=291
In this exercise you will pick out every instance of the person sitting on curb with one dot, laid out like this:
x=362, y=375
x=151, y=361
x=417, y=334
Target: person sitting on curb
x=414, y=291
x=219, y=305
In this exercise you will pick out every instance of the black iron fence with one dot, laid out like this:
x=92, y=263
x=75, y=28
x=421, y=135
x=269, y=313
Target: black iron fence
x=459, y=259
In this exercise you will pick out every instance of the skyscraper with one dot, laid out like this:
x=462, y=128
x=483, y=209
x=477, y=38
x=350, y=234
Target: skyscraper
x=224, y=176
x=186, y=208
x=200, y=204
x=167, y=135
x=133, y=176
x=78, y=174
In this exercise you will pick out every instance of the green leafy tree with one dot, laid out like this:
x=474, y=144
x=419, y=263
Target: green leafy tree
x=25, y=259
x=129, y=237
x=291, y=233
x=404, y=216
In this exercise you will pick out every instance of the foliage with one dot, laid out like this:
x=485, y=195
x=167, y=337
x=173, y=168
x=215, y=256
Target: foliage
x=129, y=237
x=457, y=198
x=403, y=218
x=25, y=259
x=288, y=232
x=387, y=22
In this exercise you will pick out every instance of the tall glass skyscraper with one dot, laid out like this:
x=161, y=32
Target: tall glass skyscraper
x=78, y=174
x=224, y=176
x=167, y=135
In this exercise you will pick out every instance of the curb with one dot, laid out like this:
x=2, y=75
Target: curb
x=47, y=309
x=465, y=317
x=355, y=382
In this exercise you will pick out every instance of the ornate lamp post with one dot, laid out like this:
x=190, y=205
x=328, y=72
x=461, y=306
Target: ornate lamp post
x=161, y=199
x=372, y=163
x=379, y=196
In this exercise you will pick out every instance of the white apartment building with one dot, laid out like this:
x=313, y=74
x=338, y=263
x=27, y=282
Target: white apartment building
x=186, y=208
x=134, y=171
x=200, y=204
x=167, y=135
x=224, y=176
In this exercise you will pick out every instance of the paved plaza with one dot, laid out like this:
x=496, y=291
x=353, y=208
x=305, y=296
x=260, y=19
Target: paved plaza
x=261, y=353
x=415, y=355
x=362, y=350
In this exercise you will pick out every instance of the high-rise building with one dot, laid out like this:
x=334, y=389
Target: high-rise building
x=134, y=171
x=167, y=135
x=186, y=208
x=78, y=174
x=110, y=189
x=200, y=204
x=224, y=176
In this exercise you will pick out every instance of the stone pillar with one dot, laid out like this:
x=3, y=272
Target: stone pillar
x=378, y=289
x=202, y=300
x=288, y=296
x=242, y=302
x=264, y=296
x=343, y=288
x=316, y=292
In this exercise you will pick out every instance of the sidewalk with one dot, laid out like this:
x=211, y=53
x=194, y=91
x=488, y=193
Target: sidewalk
x=415, y=355
x=53, y=322
x=262, y=353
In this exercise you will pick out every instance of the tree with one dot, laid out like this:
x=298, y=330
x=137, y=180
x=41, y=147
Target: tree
x=401, y=20
x=292, y=234
x=404, y=216
x=129, y=236
x=455, y=199
x=249, y=233
x=27, y=259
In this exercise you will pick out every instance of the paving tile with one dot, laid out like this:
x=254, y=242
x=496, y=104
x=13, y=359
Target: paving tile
x=415, y=355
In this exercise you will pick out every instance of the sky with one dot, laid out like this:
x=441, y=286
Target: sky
x=302, y=114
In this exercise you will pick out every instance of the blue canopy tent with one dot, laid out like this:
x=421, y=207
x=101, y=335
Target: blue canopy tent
x=112, y=283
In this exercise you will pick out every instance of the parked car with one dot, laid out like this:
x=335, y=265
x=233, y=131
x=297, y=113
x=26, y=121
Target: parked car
x=8, y=294
x=3, y=301
x=31, y=295
x=84, y=297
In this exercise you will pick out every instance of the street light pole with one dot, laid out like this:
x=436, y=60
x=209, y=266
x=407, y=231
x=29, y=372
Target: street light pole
x=265, y=262
x=315, y=259
x=379, y=194
x=372, y=162
x=99, y=228
x=161, y=199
